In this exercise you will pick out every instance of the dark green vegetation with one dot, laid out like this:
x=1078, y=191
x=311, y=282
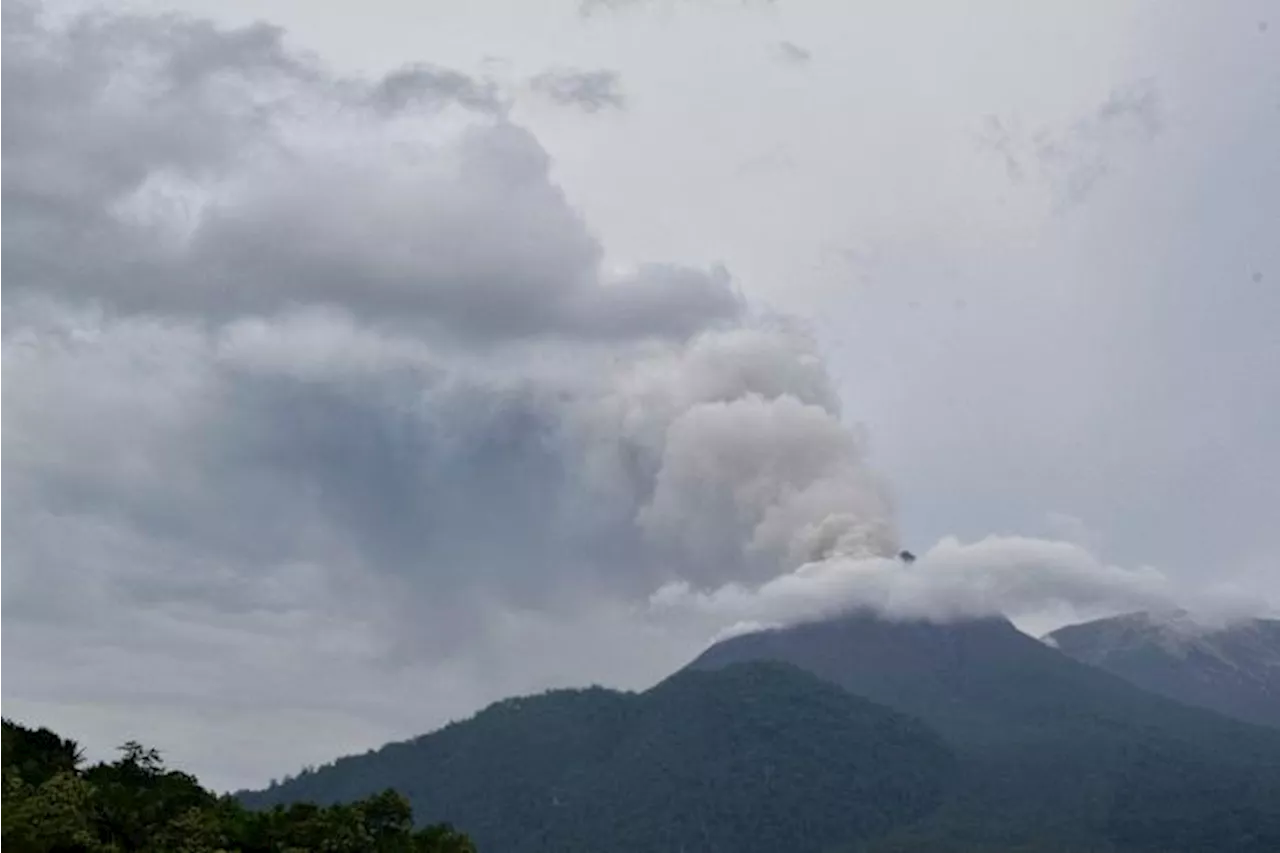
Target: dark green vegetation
x=53, y=804
x=1234, y=670
x=1034, y=753
x=761, y=757
x=1053, y=751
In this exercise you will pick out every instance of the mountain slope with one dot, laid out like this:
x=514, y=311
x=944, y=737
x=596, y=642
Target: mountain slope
x=745, y=751
x=1234, y=671
x=757, y=757
x=1053, y=749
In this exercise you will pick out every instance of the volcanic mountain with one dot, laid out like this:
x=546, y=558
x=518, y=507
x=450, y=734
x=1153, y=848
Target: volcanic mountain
x=1234, y=670
x=857, y=734
x=1053, y=748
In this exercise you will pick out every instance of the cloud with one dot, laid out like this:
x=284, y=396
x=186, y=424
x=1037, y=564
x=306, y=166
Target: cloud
x=588, y=8
x=589, y=91
x=780, y=478
x=424, y=84
x=216, y=175
x=315, y=384
x=792, y=53
x=1071, y=161
x=309, y=438
x=1014, y=576
x=1070, y=528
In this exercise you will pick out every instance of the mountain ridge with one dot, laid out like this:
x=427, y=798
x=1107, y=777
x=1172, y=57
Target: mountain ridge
x=756, y=757
x=1232, y=669
x=1053, y=746
x=849, y=734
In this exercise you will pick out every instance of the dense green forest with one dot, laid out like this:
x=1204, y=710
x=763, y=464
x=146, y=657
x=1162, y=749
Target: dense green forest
x=1052, y=750
x=757, y=758
x=976, y=739
x=964, y=738
x=53, y=803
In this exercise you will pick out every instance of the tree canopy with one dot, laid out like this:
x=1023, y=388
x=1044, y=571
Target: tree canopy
x=54, y=804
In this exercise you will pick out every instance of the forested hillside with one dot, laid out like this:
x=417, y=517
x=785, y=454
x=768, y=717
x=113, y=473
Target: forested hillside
x=53, y=803
x=760, y=757
x=746, y=751
x=1054, y=751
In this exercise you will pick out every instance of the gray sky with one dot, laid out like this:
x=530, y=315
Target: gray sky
x=365, y=370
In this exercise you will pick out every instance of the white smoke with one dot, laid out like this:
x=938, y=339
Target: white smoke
x=1013, y=576
x=766, y=478
x=261, y=318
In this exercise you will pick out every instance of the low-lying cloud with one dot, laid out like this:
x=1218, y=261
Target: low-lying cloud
x=1015, y=576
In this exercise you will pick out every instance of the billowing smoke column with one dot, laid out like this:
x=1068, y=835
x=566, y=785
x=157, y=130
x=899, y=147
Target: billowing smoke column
x=263, y=323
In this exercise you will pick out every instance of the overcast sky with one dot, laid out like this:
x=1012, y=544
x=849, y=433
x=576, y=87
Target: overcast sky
x=361, y=369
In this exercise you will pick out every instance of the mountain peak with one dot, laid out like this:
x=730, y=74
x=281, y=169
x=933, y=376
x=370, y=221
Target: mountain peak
x=757, y=757
x=975, y=680
x=1174, y=630
x=1233, y=669
x=914, y=735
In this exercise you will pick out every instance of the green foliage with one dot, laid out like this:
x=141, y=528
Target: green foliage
x=1035, y=753
x=55, y=815
x=976, y=739
x=38, y=754
x=761, y=758
x=136, y=804
x=1055, y=754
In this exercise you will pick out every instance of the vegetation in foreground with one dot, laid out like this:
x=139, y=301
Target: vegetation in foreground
x=53, y=803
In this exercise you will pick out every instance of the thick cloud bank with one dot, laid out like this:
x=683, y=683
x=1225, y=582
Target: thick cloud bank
x=165, y=166
x=266, y=327
x=953, y=580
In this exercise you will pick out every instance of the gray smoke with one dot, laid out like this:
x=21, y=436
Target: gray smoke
x=273, y=336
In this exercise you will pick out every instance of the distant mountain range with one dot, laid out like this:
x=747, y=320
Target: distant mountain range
x=850, y=734
x=1233, y=670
